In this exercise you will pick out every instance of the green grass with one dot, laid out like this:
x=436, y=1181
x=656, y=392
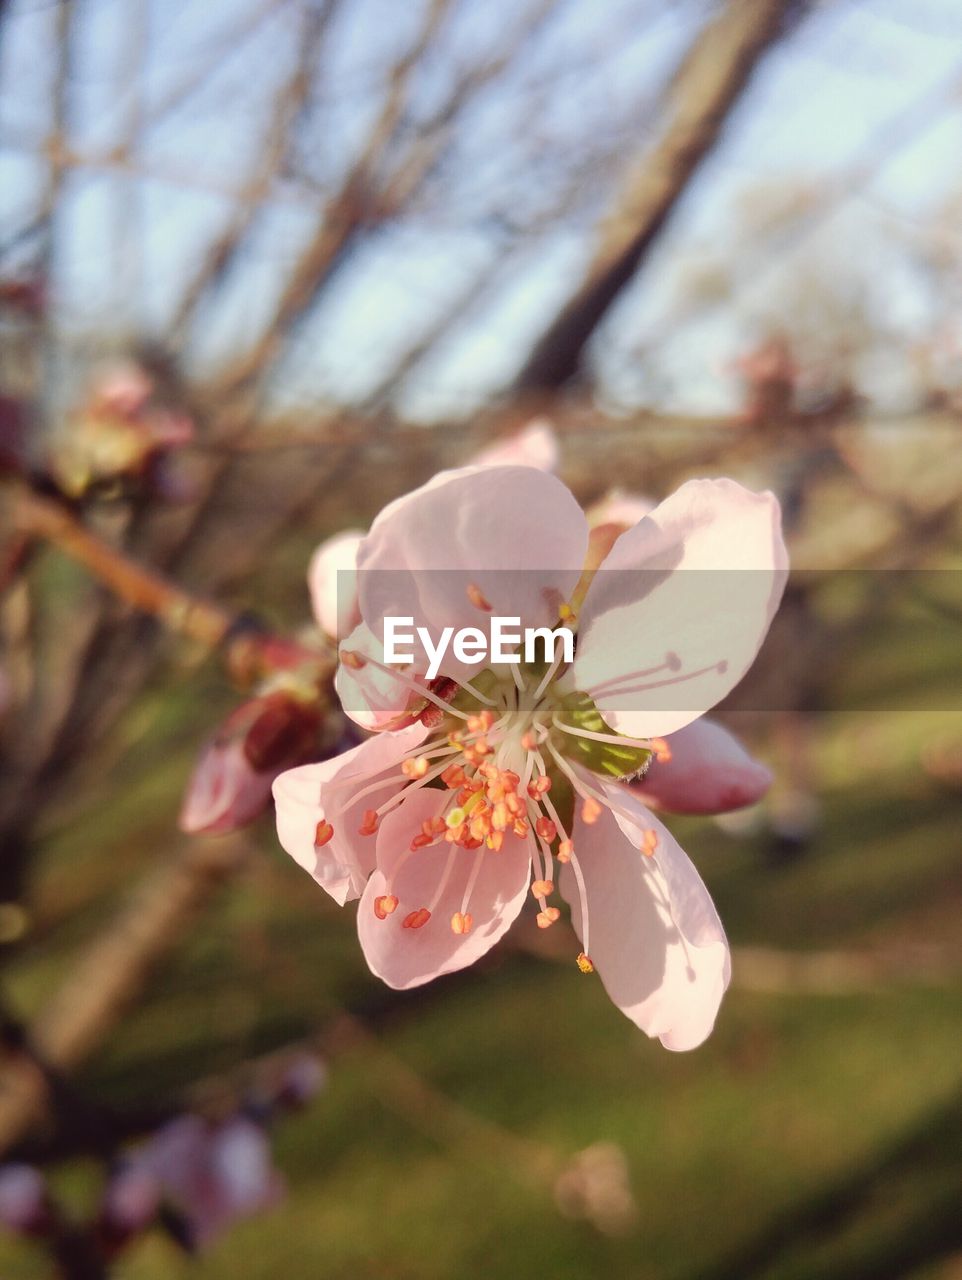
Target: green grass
x=811, y=1136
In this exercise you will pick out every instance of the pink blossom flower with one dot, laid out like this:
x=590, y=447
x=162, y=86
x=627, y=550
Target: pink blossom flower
x=332, y=578
x=335, y=598
x=214, y=1175
x=444, y=826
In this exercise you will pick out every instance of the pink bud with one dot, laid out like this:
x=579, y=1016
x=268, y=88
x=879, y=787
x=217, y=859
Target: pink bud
x=213, y=1174
x=23, y=1198
x=123, y=389
x=231, y=783
x=131, y=1200
x=302, y=1078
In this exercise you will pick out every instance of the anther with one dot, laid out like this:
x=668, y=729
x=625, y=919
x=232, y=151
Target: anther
x=453, y=776
x=565, y=850
x=661, y=750
x=351, y=658
x=415, y=768
x=385, y=905
x=416, y=919
x=546, y=829
x=476, y=596
x=539, y=786
x=461, y=922
x=590, y=810
x=649, y=842
x=542, y=888
x=369, y=825
x=322, y=833
x=584, y=963
x=547, y=917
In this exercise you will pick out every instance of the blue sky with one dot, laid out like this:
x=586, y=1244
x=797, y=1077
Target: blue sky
x=859, y=84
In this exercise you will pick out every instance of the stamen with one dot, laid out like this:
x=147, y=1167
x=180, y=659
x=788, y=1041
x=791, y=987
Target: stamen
x=475, y=692
x=476, y=596
x=369, y=826
x=672, y=662
x=619, y=739
x=550, y=674
x=445, y=877
x=617, y=690
x=590, y=811
x=546, y=829
x=416, y=919
x=472, y=880
x=355, y=661
x=518, y=678
x=385, y=905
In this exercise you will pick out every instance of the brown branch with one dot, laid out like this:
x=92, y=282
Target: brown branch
x=39, y=517
x=344, y=215
x=713, y=76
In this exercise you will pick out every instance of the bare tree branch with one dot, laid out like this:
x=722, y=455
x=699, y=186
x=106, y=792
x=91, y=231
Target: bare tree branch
x=273, y=155
x=713, y=76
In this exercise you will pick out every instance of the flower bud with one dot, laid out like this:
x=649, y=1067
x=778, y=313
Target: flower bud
x=302, y=1078
x=130, y=1203
x=119, y=434
x=231, y=783
x=23, y=1199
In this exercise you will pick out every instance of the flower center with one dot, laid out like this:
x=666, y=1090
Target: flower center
x=502, y=750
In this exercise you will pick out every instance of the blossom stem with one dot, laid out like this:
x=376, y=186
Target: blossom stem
x=247, y=651
x=46, y=518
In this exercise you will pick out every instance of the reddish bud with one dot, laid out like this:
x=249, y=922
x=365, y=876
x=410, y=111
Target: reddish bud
x=231, y=783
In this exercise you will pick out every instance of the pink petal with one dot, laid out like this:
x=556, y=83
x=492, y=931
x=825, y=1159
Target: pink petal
x=326, y=792
x=676, y=614
x=431, y=551
x=409, y=957
x=535, y=445
x=371, y=696
x=655, y=937
x=709, y=772
x=225, y=792
x=620, y=507
x=332, y=579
